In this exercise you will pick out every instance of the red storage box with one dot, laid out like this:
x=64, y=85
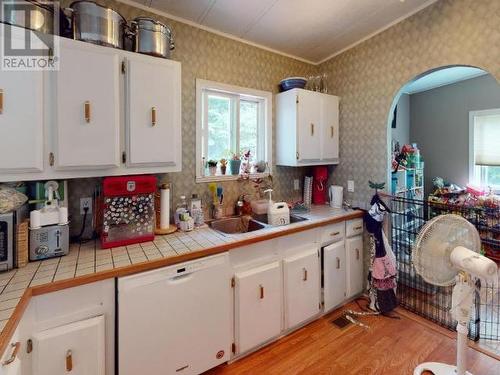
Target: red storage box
x=128, y=212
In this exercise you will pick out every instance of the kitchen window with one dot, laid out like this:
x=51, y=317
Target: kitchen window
x=231, y=121
x=484, y=131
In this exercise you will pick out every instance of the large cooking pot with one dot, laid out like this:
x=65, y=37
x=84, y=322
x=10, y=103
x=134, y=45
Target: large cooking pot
x=97, y=24
x=41, y=17
x=152, y=37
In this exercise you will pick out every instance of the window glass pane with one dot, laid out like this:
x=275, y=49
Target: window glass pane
x=249, y=120
x=219, y=127
x=493, y=176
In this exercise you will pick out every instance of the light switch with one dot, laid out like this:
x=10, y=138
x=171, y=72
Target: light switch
x=296, y=185
x=350, y=186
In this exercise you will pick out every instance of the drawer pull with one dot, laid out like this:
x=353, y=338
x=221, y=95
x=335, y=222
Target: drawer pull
x=357, y=254
x=338, y=263
x=153, y=116
x=16, y=346
x=69, y=361
x=1, y=101
x=312, y=128
x=358, y=228
x=304, y=278
x=333, y=234
x=331, y=131
x=86, y=107
x=261, y=291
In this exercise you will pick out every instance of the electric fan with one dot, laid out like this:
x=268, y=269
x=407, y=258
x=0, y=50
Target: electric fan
x=446, y=252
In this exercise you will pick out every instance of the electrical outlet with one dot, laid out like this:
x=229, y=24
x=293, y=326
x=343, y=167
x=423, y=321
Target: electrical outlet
x=296, y=185
x=85, y=203
x=350, y=186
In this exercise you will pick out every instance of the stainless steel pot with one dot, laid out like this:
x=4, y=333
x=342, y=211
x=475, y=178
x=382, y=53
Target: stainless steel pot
x=97, y=24
x=41, y=16
x=152, y=37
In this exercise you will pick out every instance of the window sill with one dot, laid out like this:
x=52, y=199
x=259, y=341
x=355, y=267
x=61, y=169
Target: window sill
x=229, y=177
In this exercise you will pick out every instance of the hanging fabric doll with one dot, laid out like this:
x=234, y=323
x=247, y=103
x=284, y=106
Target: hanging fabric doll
x=383, y=266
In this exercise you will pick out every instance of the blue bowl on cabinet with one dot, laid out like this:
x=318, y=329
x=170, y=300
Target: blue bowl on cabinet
x=293, y=83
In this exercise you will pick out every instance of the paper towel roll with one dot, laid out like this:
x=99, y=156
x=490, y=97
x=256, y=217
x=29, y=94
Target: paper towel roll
x=164, y=206
x=63, y=215
x=35, y=219
x=474, y=263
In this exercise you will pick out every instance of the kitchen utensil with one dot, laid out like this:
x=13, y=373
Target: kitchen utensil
x=152, y=37
x=293, y=83
x=97, y=24
x=128, y=210
x=336, y=196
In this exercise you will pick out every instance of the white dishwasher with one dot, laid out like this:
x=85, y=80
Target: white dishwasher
x=175, y=320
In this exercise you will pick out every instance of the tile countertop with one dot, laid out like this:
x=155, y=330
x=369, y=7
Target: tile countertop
x=88, y=263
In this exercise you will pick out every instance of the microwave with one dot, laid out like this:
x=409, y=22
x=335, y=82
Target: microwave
x=8, y=225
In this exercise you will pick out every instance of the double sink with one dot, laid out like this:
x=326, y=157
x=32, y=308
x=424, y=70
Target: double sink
x=245, y=224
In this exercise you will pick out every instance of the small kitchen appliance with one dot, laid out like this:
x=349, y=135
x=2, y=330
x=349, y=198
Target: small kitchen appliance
x=128, y=212
x=320, y=177
x=49, y=227
x=8, y=229
x=336, y=196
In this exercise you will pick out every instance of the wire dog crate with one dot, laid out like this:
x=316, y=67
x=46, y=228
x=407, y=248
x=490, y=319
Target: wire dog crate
x=434, y=302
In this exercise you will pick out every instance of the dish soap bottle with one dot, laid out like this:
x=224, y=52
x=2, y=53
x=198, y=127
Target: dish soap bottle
x=180, y=209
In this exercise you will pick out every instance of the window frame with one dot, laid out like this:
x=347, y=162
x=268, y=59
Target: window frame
x=478, y=173
x=237, y=93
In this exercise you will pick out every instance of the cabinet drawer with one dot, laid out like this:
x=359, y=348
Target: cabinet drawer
x=354, y=227
x=333, y=233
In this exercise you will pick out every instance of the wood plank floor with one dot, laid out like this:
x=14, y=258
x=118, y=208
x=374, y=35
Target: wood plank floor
x=389, y=346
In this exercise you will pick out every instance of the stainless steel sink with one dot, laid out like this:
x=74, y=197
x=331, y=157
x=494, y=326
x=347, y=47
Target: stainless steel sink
x=293, y=218
x=232, y=225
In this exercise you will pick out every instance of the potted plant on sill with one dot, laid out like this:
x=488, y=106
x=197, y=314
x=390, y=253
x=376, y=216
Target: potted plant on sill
x=234, y=164
x=212, y=167
x=223, y=166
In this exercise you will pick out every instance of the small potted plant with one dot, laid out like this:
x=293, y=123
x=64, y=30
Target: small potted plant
x=223, y=166
x=234, y=164
x=212, y=167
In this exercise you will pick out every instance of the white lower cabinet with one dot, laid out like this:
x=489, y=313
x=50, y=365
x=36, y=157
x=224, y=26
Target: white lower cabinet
x=11, y=362
x=77, y=348
x=354, y=254
x=302, y=287
x=258, y=300
x=334, y=273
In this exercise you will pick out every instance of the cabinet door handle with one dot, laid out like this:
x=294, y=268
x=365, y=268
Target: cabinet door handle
x=357, y=254
x=358, y=228
x=1, y=101
x=153, y=116
x=261, y=291
x=69, y=361
x=333, y=234
x=312, y=128
x=338, y=263
x=304, y=278
x=331, y=131
x=86, y=107
x=16, y=346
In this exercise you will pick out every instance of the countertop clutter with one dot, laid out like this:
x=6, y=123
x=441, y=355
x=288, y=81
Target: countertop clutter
x=87, y=263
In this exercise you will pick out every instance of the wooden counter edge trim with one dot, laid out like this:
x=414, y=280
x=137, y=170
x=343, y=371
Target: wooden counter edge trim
x=54, y=286
x=444, y=331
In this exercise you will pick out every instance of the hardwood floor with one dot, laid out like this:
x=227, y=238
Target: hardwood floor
x=389, y=346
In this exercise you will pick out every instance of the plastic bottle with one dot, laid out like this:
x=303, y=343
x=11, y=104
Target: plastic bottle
x=181, y=208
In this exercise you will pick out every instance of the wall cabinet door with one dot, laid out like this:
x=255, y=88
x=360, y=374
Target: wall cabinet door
x=334, y=273
x=153, y=112
x=308, y=125
x=76, y=348
x=87, y=99
x=330, y=127
x=258, y=301
x=302, y=287
x=354, y=253
x=21, y=120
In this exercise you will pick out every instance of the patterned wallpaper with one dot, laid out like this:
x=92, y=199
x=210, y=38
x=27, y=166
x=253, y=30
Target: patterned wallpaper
x=368, y=77
x=212, y=57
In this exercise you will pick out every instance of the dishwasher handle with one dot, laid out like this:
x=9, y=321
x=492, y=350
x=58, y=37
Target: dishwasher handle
x=181, y=278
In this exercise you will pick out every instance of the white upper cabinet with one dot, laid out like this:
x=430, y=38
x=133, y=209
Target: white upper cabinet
x=21, y=120
x=153, y=111
x=87, y=133
x=307, y=128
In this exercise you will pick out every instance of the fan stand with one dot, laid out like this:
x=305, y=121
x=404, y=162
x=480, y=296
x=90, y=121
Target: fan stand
x=461, y=301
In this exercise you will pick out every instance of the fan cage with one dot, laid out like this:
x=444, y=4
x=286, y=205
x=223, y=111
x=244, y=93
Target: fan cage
x=434, y=302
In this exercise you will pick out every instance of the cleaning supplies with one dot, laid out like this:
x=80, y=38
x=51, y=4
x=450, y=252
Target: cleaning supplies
x=277, y=213
x=180, y=209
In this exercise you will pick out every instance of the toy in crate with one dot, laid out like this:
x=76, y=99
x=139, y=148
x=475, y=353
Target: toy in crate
x=127, y=210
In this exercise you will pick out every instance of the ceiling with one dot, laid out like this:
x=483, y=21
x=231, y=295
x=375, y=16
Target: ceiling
x=311, y=30
x=442, y=77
